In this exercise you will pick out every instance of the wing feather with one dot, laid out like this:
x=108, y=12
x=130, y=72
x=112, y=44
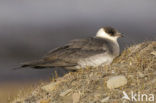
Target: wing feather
x=72, y=52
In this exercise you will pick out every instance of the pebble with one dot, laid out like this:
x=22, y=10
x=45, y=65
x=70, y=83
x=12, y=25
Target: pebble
x=49, y=87
x=66, y=92
x=153, y=53
x=105, y=100
x=76, y=97
x=116, y=82
x=141, y=75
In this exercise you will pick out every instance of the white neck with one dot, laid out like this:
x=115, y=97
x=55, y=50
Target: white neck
x=102, y=34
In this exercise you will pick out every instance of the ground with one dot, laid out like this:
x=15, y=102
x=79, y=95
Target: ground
x=137, y=64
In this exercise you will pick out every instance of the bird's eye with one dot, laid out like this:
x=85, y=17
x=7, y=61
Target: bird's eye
x=110, y=31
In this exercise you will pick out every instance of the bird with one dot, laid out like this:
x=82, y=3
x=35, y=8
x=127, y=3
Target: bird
x=81, y=53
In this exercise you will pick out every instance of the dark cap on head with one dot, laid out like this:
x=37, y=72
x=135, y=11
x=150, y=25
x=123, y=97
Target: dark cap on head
x=110, y=30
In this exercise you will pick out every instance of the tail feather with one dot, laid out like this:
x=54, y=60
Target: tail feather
x=40, y=64
x=33, y=64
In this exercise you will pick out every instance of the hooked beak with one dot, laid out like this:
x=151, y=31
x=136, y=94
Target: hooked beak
x=120, y=35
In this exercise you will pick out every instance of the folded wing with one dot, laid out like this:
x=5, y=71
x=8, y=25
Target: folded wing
x=69, y=54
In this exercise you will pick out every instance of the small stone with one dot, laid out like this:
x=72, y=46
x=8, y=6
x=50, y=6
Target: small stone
x=105, y=100
x=113, y=71
x=116, y=82
x=153, y=53
x=97, y=96
x=141, y=75
x=152, y=82
x=146, y=78
x=130, y=63
x=76, y=97
x=50, y=87
x=131, y=76
x=66, y=92
x=91, y=74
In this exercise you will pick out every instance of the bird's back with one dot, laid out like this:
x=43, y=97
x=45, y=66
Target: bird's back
x=79, y=53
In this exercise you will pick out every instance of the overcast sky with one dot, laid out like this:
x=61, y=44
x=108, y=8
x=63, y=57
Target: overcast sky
x=61, y=12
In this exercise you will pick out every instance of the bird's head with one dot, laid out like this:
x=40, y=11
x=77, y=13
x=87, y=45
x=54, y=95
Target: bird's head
x=109, y=33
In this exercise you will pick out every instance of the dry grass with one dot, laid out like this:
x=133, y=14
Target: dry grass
x=12, y=91
x=137, y=64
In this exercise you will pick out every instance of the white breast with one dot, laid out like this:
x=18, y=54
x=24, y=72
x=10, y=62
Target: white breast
x=97, y=60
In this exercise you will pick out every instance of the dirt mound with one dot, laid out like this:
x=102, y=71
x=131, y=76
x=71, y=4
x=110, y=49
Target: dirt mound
x=134, y=71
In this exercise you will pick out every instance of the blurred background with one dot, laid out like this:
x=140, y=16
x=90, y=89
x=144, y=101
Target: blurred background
x=30, y=28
